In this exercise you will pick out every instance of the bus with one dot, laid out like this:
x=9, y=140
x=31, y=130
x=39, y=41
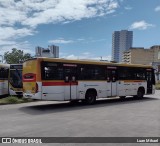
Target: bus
x=4, y=70
x=74, y=80
x=15, y=80
x=11, y=79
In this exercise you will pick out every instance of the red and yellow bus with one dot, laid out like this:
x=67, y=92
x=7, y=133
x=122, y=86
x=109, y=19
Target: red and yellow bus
x=73, y=80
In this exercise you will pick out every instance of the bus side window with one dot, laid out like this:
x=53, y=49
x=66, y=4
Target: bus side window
x=111, y=75
x=52, y=71
x=4, y=73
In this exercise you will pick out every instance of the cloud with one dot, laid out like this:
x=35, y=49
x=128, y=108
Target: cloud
x=105, y=58
x=20, y=18
x=61, y=41
x=79, y=40
x=35, y=12
x=141, y=25
x=157, y=8
x=14, y=33
x=9, y=38
x=86, y=56
x=25, y=46
x=128, y=8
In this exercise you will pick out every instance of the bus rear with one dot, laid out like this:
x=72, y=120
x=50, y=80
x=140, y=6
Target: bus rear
x=31, y=79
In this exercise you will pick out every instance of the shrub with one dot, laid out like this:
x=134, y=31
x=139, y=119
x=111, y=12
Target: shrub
x=11, y=99
x=158, y=86
x=14, y=100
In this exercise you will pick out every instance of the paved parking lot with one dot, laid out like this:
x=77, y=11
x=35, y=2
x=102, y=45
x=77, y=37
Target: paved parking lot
x=107, y=118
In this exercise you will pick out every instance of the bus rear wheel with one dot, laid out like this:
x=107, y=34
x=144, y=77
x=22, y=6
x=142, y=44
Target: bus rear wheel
x=140, y=93
x=90, y=98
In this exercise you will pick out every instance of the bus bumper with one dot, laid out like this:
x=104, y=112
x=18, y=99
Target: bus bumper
x=32, y=96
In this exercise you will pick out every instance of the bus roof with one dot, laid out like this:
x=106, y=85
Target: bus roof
x=89, y=62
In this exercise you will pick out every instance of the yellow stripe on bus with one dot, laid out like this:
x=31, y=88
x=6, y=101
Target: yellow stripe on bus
x=3, y=80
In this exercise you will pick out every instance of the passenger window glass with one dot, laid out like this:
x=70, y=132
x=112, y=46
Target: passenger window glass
x=52, y=71
x=4, y=73
x=92, y=72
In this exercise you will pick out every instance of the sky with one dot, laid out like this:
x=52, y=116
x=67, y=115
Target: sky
x=81, y=28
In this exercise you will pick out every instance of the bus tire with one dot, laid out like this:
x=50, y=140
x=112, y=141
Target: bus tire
x=140, y=93
x=90, y=97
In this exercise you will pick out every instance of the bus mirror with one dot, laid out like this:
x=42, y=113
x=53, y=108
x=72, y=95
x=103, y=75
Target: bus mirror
x=66, y=79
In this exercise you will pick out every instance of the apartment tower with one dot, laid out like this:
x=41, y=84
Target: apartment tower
x=121, y=41
x=51, y=52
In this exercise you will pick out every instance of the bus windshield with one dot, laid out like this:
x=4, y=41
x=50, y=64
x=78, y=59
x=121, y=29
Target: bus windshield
x=16, y=78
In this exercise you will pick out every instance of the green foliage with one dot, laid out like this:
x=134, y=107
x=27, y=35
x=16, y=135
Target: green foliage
x=14, y=100
x=158, y=86
x=16, y=56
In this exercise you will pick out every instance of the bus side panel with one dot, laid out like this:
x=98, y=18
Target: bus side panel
x=6, y=91
x=52, y=91
x=100, y=86
x=127, y=88
x=4, y=87
x=120, y=88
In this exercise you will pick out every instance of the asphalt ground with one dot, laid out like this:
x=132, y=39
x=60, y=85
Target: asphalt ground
x=107, y=118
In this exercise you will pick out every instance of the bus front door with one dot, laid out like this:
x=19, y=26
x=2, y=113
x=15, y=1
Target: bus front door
x=111, y=79
x=70, y=88
x=149, y=81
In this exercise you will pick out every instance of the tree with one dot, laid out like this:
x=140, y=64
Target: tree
x=16, y=56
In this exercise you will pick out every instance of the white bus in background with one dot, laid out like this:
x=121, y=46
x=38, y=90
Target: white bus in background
x=15, y=80
x=11, y=79
x=4, y=71
x=74, y=80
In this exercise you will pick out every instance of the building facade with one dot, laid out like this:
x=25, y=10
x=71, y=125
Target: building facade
x=51, y=52
x=121, y=41
x=141, y=55
x=144, y=56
